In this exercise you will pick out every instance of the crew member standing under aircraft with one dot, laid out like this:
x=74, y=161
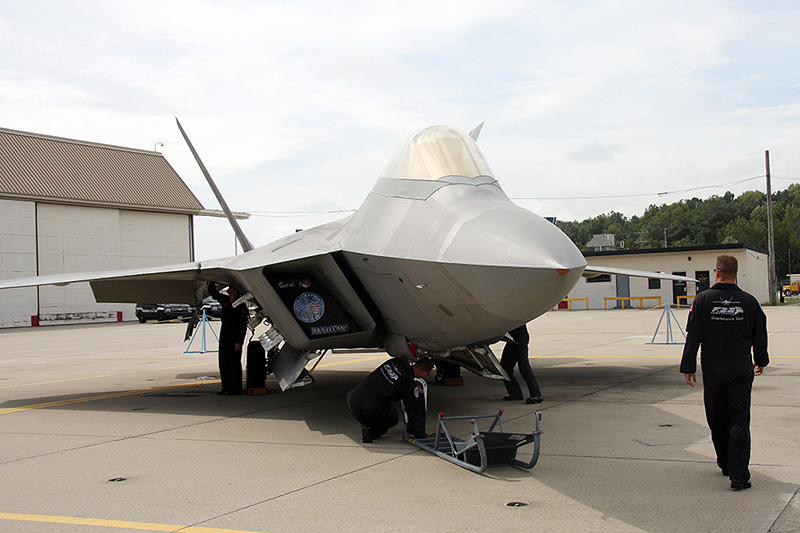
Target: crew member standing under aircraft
x=729, y=324
x=371, y=401
x=231, y=339
x=515, y=353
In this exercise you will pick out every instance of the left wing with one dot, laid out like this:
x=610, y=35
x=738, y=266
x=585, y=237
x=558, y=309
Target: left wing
x=594, y=271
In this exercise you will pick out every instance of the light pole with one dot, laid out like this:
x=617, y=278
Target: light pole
x=773, y=282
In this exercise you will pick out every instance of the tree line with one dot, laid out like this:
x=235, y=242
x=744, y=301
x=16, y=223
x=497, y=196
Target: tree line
x=726, y=219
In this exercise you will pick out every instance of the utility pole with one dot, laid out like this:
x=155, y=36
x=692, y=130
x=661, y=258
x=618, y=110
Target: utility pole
x=773, y=282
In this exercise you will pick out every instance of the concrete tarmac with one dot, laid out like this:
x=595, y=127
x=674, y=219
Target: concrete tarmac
x=109, y=427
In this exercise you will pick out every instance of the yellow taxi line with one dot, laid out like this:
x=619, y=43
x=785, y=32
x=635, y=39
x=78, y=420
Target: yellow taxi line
x=351, y=361
x=676, y=357
x=121, y=524
x=72, y=401
x=327, y=365
x=100, y=397
x=149, y=370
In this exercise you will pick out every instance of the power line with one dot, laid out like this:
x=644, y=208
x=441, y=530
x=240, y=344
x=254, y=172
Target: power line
x=282, y=214
x=288, y=214
x=639, y=195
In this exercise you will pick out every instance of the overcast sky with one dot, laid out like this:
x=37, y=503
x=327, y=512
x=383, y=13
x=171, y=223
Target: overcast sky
x=296, y=106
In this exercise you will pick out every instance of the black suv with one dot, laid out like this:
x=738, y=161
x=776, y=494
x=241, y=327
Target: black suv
x=145, y=312
x=213, y=308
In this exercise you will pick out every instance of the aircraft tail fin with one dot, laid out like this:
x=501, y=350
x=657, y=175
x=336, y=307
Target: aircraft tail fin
x=240, y=236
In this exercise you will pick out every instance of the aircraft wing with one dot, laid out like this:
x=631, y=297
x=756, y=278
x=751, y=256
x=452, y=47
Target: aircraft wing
x=594, y=271
x=168, y=283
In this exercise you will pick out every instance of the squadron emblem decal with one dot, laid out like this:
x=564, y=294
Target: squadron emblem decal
x=309, y=307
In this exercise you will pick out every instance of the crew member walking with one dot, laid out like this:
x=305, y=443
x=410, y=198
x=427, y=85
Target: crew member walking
x=231, y=338
x=515, y=353
x=731, y=327
x=371, y=401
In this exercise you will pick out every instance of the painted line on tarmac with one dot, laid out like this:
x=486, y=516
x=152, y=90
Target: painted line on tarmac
x=328, y=365
x=352, y=361
x=121, y=524
x=149, y=370
x=101, y=397
x=142, y=391
x=676, y=357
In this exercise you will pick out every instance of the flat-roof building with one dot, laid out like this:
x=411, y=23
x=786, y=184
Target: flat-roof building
x=693, y=261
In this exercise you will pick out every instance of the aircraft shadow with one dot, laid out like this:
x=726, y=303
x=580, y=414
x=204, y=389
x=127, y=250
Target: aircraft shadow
x=596, y=420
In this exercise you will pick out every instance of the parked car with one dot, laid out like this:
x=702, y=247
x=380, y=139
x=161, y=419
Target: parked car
x=213, y=308
x=145, y=312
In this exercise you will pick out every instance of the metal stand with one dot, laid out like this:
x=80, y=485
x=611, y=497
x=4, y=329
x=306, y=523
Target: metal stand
x=484, y=448
x=670, y=316
x=203, y=321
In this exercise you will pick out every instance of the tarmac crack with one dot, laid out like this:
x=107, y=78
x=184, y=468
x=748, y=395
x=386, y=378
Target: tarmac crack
x=303, y=488
x=788, y=519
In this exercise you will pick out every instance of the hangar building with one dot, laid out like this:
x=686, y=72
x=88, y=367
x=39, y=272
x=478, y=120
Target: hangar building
x=694, y=261
x=69, y=206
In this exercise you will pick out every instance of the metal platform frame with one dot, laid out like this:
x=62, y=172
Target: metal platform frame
x=483, y=448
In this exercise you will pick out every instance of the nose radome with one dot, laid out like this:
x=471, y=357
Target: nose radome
x=512, y=236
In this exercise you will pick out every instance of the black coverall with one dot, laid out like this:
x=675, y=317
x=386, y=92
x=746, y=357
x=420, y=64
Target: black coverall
x=729, y=323
x=515, y=353
x=232, y=332
x=371, y=401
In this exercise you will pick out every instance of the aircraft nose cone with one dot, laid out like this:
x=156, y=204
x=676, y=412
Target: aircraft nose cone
x=512, y=236
x=526, y=265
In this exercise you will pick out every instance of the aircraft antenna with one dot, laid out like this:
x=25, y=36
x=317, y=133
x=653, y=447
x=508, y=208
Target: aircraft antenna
x=243, y=240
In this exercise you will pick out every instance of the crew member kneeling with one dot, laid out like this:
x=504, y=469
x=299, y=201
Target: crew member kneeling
x=371, y=401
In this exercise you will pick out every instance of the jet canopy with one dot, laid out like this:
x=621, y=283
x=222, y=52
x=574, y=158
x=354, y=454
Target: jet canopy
x=435, y=152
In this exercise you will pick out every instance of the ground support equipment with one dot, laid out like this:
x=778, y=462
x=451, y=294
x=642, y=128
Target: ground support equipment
x=483, y=448
x=670, y=317
x=203, y=322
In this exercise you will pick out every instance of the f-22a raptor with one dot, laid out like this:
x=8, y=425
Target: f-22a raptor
x=437, y=261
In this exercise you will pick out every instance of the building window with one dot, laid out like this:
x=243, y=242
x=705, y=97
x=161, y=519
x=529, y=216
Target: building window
x=653, y=284
x=602, y=278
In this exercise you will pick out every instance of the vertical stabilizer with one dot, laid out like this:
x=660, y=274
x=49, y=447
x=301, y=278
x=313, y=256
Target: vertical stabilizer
x=476, y=131
x=243, y=240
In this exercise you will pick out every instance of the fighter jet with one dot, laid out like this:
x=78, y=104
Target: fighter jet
x=437, y=261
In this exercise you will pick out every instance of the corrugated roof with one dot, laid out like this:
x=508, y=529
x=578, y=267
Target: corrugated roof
x=41, y=167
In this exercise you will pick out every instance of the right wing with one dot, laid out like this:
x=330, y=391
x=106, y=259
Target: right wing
x=168, y=283
x=290, y=280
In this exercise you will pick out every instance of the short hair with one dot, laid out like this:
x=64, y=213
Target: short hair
x=426, y=364
x=727, y=266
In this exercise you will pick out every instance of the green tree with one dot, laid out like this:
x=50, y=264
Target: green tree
x=725, y=219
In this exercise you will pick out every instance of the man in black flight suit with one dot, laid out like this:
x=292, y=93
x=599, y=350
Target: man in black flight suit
x=231, y=338
x=371, y=401
x=729, y=323
x=515, y=353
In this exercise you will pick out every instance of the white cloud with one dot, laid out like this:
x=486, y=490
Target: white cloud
x=301, y=104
